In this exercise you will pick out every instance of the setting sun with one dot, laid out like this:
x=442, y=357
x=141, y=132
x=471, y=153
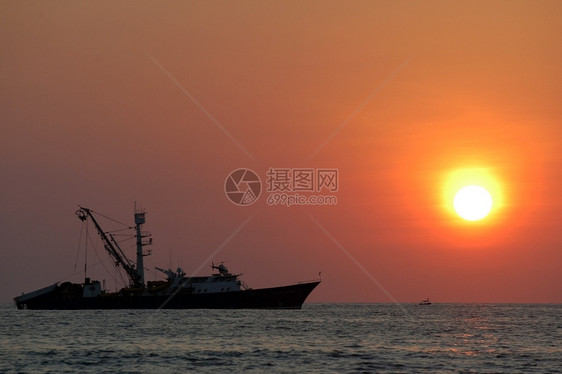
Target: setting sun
x=473, y=203
x=471, y=193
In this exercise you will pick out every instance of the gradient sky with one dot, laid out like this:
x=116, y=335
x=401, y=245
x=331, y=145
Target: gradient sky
x=95, y=110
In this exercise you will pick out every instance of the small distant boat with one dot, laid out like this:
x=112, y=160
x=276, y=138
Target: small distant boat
x=425, y=302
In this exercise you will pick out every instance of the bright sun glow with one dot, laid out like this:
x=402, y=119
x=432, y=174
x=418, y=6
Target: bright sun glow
x=488, y=195
x=472, y=203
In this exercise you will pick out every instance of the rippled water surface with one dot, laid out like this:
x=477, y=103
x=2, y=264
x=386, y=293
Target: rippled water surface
x=318, y=338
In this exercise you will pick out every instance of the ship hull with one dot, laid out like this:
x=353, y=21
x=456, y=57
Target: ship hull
x=286, y=297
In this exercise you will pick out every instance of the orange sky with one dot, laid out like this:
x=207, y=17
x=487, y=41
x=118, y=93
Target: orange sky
x=89, y=116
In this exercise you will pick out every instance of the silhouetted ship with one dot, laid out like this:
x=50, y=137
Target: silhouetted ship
x=220, y=290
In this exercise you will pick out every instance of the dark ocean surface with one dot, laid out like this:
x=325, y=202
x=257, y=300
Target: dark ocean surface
x=339, y=338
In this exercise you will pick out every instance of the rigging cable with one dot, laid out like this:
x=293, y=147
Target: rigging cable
x=102, y=262
x=123, y=229
x=111, y=219
x=79, y=245
x=86, y=253
x=85, y=235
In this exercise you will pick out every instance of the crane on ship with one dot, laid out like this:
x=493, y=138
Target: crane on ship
x=135, y=272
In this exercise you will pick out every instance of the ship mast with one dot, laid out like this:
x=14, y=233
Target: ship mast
x=139, y=220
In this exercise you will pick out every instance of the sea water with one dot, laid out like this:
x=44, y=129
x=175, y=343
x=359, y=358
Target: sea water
x=340, y=338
